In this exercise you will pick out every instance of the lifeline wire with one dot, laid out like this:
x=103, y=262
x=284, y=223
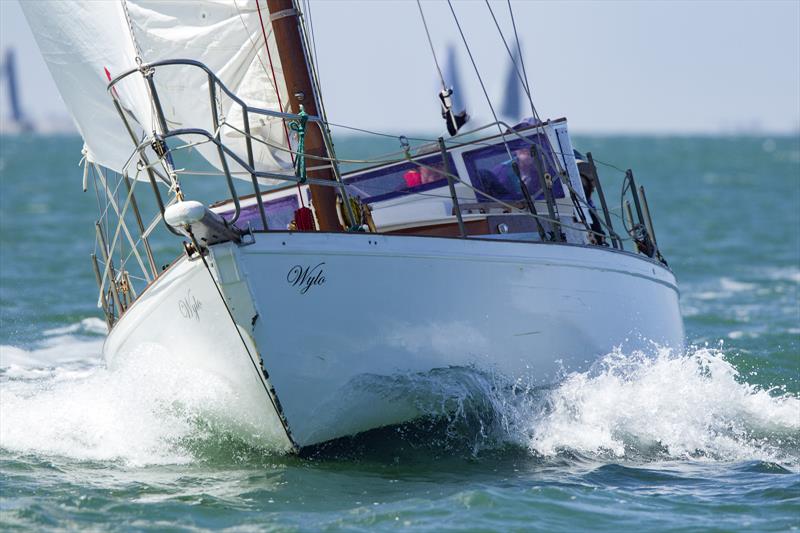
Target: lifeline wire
x=458, y=179
x=252, y=42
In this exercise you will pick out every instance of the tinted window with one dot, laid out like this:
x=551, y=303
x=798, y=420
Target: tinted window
x=400, y=179
x=492, y=172
x=279, y=213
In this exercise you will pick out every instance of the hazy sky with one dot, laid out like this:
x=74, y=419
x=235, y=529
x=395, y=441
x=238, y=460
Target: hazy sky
x=658, y=67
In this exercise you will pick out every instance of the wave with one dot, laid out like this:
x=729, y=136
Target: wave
x=79, y=342
x=635, y=406
x=693, y=405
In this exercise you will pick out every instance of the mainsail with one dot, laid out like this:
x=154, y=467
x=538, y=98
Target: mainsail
x=87, y=43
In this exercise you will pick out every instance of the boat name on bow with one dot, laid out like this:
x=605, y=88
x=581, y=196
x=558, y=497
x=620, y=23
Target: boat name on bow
x=305, y=277
x=190, y=306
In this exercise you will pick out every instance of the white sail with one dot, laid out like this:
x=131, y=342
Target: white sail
x=85, y=43
x=227, y=36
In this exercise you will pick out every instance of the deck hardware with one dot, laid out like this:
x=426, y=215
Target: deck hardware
x=555, y=233
x=616, y=241
x=635, y=193
x=103, y=301
x=136, y=213
x=109, y=270
x=647, y=220
x=251, y=162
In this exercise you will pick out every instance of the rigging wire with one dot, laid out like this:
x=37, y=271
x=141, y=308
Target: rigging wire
x=316, y=79
x=307, y=12
x=430, y=42
x=523, y=81
x=327, y=138
x=252, y=42
x=311, y=56
x=384, y=159
x=480, y=78
x=477, y=191
x=272, y=68
x=521, y=60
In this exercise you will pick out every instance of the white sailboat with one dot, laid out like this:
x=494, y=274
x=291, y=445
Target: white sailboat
x=313, y=300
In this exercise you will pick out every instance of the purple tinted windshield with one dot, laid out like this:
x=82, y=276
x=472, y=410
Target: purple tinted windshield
x=493, y=173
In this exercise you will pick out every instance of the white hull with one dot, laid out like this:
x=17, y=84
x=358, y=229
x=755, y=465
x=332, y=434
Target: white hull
x=372, y=309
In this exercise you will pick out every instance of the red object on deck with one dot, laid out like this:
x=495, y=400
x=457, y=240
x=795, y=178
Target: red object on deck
x=304, y=219
x=413, y=178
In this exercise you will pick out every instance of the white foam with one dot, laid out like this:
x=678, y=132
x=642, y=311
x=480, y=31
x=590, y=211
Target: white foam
x=683, y=406
x=54, y=351
x=58, y=398
x=149, y=411
x=90, y=325
x=782, y=274
x=731, y=285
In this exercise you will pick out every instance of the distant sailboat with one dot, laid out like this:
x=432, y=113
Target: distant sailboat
x=18, y=120
x=512, y=96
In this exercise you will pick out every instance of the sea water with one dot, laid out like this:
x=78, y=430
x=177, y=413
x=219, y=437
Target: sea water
x=705, y=439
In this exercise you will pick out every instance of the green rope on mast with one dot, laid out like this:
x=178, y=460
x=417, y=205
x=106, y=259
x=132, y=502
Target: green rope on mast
x=299, y=127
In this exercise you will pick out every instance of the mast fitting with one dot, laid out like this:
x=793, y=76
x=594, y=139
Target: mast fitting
x=283, y=14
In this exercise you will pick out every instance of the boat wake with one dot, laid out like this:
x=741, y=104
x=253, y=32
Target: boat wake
x=637, y=407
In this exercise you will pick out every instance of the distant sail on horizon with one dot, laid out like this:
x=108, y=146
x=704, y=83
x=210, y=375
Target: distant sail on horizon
x=19, y=120
x=512, y=93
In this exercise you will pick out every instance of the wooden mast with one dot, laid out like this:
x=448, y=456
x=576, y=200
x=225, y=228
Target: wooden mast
x=286, y=27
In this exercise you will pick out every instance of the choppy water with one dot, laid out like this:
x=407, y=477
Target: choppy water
x=704, y=440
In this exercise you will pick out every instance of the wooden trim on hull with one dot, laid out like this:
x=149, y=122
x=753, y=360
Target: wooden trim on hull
x=473, y=227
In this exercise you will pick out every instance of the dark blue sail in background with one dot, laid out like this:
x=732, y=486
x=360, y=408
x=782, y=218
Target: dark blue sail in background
x=9, y=75
x=511, y=98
